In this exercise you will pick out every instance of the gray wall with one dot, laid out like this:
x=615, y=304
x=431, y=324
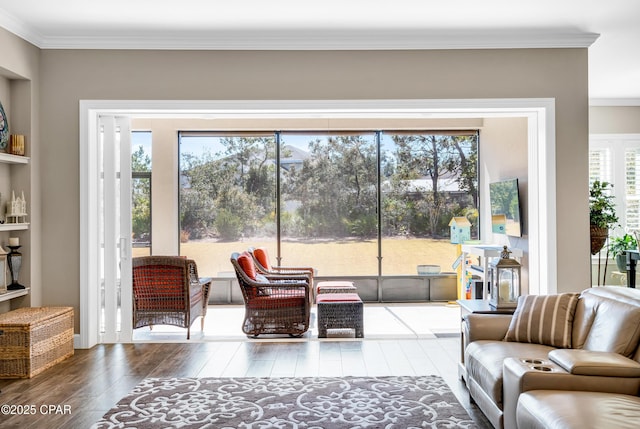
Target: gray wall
x=68, y=76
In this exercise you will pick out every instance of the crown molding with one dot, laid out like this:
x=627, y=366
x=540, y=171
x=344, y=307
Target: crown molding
x=298, y=38
x=320, y=39
x=614, y=102
x=20, y=29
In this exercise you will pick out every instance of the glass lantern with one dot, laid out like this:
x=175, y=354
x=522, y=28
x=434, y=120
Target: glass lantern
x=504, y=281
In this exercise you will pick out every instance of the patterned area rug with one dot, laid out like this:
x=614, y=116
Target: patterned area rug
x=311, y=403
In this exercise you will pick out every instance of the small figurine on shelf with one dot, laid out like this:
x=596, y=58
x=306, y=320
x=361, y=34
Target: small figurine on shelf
x=16, y=209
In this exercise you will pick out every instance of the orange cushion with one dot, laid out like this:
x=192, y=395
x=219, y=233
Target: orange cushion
x=293, y=299
x=263, y=257
x=246, y=263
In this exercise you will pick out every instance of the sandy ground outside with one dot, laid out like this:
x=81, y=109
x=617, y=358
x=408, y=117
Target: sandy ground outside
x=400, y=255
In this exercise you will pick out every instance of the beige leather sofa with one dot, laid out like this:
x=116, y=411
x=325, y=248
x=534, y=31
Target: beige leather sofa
x=559, y=348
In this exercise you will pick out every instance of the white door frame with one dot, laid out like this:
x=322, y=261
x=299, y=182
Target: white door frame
x=540, y=113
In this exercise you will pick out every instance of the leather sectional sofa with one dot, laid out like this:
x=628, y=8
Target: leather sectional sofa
x=561, y=361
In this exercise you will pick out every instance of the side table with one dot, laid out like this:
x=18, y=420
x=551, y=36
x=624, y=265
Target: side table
x=476, y=306
x=632, y=259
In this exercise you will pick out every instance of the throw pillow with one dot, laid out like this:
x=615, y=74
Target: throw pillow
x=246, y=263
x=262, y=291
x=261, y=279
x=544, y=319
x=263, y=257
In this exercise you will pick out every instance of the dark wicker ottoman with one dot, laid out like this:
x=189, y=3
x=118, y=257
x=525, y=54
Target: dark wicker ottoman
x=340, y=311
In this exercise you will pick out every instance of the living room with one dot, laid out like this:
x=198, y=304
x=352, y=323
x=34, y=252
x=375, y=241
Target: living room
x=43, y=88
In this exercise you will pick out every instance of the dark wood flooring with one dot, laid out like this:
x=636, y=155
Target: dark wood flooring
x=84, y=387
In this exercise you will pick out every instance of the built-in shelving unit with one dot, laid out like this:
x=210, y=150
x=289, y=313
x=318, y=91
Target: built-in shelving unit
x=13, y=294
x=16, y=176
x=14, y=226
x=13, y=159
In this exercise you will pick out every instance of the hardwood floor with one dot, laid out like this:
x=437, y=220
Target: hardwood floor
x=84, y=387
x=87, y=385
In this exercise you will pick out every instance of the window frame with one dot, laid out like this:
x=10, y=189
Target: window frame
x=616, y=145
x=279, y=134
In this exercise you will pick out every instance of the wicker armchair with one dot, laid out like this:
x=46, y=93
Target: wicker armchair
x=263, y=266
x=273, y=304
x=168, y=291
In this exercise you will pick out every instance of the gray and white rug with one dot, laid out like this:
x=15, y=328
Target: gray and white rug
x=310, y=403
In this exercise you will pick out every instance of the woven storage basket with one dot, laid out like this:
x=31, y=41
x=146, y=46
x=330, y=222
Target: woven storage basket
x=34, y=339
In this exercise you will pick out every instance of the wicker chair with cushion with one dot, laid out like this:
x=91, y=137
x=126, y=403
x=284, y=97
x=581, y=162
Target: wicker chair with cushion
x=263, y=266
x=273, y=304
x=168, y=291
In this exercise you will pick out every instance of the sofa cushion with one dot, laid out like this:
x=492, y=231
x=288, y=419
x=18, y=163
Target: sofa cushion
x=483, y=362
x=551, y=409
x=544, y=319
x=608, y=320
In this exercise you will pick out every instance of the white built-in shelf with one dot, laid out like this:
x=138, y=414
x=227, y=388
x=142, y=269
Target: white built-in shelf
x=11, y=294
x=14, y=159
x=14, y=226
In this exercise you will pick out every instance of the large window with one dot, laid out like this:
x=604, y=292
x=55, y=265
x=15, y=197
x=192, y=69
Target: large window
x=366, y=203
x=427, y=178
x=328, y=198
x=141, y=192
x=616, y=160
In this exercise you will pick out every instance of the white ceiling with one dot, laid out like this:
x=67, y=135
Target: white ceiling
x=611, y=28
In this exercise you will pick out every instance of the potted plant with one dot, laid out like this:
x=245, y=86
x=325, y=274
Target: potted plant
x=602, y=214
x=618, y=247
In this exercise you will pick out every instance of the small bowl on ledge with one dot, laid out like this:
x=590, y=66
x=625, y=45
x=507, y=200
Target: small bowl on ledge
x=428, y=269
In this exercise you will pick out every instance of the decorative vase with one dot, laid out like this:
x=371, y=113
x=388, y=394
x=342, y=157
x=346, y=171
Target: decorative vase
x=598, y=238
x=14, y=259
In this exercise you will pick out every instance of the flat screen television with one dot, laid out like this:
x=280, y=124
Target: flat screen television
x=506, y=213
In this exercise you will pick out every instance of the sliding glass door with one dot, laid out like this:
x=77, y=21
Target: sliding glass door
x=346, y=203
x=114, y=229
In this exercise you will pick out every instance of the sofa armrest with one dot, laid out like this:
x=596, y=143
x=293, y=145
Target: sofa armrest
x=485, y=326
x=586, y=362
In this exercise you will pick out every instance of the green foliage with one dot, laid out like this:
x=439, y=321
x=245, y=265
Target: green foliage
x=602, y=210
x=228, y=225
x=337, y=181
x=617, y=245
x=140, y=161
x=331, y=191
x=141, y=196
x=436, y=157
x=196, y=214
x=363, y=227
x=228, y=193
